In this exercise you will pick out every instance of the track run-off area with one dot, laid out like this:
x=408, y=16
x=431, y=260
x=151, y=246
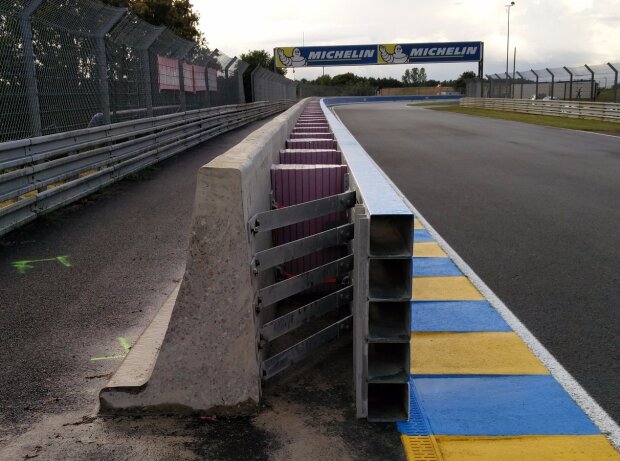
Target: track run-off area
x=533, y=210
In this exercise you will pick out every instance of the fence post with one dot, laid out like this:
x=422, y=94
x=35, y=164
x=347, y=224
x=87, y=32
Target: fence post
x=146, y=69
x=32, y=90
x=536, y=83
x=592, y=96
x=181, y=58
x=570, y=88
x=102, y=65
x=241, y=68
x=490, y=95
x=521, y=78
x=615, y=81
x=510, y=91
x=552, y=82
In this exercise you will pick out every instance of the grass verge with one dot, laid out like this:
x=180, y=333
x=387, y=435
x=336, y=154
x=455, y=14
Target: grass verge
x=546, y=120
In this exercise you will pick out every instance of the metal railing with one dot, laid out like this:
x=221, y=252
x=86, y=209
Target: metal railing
x=574, y=109
x=40, y=174
x=588, y=82
x=73, y=64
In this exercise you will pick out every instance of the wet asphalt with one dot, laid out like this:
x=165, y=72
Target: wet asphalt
x=535, y=211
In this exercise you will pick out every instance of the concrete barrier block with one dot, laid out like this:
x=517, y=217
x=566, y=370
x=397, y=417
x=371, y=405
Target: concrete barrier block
x=209, y=360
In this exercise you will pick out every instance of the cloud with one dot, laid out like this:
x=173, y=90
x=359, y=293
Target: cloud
x=546, y=34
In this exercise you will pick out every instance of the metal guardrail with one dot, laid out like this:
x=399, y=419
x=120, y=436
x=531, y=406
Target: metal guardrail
x=609, y=112
x=38, y=175
x=383, y=247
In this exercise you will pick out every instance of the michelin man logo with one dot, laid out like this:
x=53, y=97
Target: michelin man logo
x=398, y=57
x=296, y=60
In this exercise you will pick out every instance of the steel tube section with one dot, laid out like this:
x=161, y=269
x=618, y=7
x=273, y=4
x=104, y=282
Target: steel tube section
x=383, y=252
x=280, y=254
x=283, y=360
x=305, y=314
x=282, y=290
x=536, y=83
x=373, y=188
x=34, y=110
x=281, y=217
x=615, y=81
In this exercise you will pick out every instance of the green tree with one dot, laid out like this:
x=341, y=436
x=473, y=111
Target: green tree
x=260, y=58
x=461, y=82
x=177, y=15
x=406, y=78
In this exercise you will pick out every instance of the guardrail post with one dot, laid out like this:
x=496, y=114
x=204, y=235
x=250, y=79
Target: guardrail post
x=570, y=88
x=102, y=65
x=32, y=90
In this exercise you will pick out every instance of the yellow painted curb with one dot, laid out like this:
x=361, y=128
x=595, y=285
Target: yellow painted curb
x=428, y=250
x=445, y=289
x=488, y=353
x=538, y=448
x=417, y=224
x=422, y=448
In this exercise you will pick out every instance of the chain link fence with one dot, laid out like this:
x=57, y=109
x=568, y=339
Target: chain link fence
x=72, y=64
x=588, y=82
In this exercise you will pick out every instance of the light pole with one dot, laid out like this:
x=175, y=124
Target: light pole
x=510, y=5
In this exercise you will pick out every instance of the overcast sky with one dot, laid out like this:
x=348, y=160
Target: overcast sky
x=546, y=33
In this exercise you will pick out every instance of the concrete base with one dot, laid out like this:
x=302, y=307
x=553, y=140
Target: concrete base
x=209, y=361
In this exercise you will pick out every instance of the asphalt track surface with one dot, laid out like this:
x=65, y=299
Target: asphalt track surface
x=535, y=211
x=127, y=247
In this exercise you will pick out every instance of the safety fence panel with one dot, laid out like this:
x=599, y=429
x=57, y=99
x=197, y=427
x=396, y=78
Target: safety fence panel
x=597, y=82
x=74, y=64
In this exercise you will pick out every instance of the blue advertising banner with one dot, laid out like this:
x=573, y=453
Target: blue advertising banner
x=390, y=53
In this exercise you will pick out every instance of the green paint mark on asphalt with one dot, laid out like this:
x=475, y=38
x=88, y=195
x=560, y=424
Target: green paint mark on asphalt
x=23, y=266
x=126, y=346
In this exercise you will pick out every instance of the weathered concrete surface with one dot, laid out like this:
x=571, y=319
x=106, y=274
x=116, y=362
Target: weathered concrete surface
x=209, y=359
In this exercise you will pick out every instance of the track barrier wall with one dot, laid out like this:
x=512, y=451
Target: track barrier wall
x=433, y=349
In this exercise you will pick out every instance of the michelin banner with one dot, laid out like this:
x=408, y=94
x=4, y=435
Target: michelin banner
x=359, y=55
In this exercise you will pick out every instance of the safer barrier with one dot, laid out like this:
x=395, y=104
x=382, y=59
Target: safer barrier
x=38, y=175
x=609, y=112
x=219, y=345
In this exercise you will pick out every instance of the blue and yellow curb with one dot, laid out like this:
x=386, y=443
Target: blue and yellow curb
x=477, y=392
